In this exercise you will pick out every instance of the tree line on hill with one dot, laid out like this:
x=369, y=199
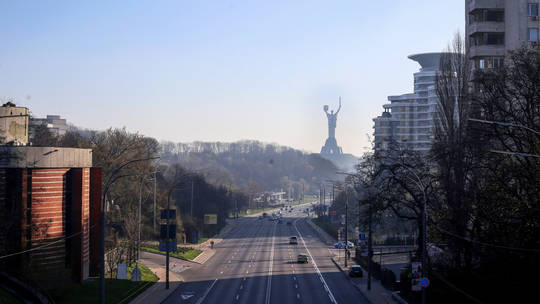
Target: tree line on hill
x=254, y=166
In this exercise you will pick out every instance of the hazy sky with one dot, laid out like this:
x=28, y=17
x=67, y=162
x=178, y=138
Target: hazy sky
x=220, y=70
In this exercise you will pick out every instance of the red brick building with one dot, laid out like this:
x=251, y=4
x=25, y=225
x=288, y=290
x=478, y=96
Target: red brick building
x=50, y=207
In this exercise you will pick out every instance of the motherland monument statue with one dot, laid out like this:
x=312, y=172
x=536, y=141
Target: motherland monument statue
x=330, y=146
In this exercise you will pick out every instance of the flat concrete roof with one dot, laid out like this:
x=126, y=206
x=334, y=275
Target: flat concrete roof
x=44, y=157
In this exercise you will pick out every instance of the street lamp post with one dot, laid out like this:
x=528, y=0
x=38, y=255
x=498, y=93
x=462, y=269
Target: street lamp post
x=370, y=248
x=110, y=181
x=346, y=225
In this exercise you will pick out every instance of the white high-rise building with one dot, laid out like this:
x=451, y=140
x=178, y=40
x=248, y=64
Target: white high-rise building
x=409, y=119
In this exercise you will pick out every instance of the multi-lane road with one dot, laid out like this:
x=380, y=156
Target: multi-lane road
x=256, y=264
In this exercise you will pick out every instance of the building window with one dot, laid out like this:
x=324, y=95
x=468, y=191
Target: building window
x=490, y=63
x=532, y=10
x=533, y=35
x=482, y=64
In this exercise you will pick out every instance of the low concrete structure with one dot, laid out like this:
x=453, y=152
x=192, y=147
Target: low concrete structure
x=13, y=124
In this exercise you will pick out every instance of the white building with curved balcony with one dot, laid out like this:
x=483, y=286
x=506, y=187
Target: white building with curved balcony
x=409, y=119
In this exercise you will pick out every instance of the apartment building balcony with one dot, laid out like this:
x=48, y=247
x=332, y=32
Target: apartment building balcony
x=482, y=4
x=486, y=51
x=486, y=26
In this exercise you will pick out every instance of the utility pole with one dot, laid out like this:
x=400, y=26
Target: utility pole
x=370, y=248
x=346, y=218
x=191, y=212
x=324, y=200
x=424, y=248
x=302, y=192
x=320, y=200
x=155, y=182
x=140, y=207
x=167, y=243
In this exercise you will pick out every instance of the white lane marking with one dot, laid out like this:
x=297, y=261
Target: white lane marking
x=294, y=278
x=298, y=296
x=206, y=292
x=237, y=296
x=330, y=294
x=241, y=286
x=269, y=280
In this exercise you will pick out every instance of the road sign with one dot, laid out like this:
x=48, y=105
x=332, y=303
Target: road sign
x=121, y=273
x=172, y=214
x=333, y=212
x=163, y=232
x=424, y=282
x=136, y=274
x=417, y=275
x=210, y=219
x=362, y=236
x=172, y=246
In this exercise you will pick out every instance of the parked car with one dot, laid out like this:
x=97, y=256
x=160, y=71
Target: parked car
x=289, y=223
x=280, y=221
x=293, y=240
x=340, y=245
x=302, y=258
x=356, y=271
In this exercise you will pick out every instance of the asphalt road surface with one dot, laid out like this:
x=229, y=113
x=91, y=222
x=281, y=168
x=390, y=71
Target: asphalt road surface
x=256, y=264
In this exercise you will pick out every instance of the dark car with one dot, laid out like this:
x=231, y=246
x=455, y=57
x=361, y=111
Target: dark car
x=356, y=271
x=289, y=223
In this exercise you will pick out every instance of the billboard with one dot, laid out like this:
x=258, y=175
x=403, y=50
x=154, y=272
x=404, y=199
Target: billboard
x=210, y=219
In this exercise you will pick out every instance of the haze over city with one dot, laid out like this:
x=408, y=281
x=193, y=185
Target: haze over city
x=269, y=152
x=219, y=70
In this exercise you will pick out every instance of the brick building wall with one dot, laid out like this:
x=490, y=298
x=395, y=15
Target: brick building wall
x=52, y=209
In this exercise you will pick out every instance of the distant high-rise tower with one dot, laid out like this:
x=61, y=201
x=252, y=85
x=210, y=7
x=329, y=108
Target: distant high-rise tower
x=409, y=119
x=494, y=27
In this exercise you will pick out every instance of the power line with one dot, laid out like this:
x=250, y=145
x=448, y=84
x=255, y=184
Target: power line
x=44, y=246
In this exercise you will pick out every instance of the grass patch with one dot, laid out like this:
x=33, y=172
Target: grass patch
x=185, y=253
x=116, y=291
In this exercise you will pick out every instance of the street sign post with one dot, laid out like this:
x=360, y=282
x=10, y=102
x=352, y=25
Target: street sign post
x=172, y=214
x=173, y=246
x=417, y=275
x=163, y=232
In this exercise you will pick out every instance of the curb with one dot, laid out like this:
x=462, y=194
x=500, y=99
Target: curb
x=170, y=256
x=349, y=279
x=395, y=296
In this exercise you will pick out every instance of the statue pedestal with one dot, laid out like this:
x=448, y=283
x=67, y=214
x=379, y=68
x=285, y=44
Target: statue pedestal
x=331, y=147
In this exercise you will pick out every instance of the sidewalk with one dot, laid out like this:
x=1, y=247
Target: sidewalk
x=157, y=292
x=377, y=294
